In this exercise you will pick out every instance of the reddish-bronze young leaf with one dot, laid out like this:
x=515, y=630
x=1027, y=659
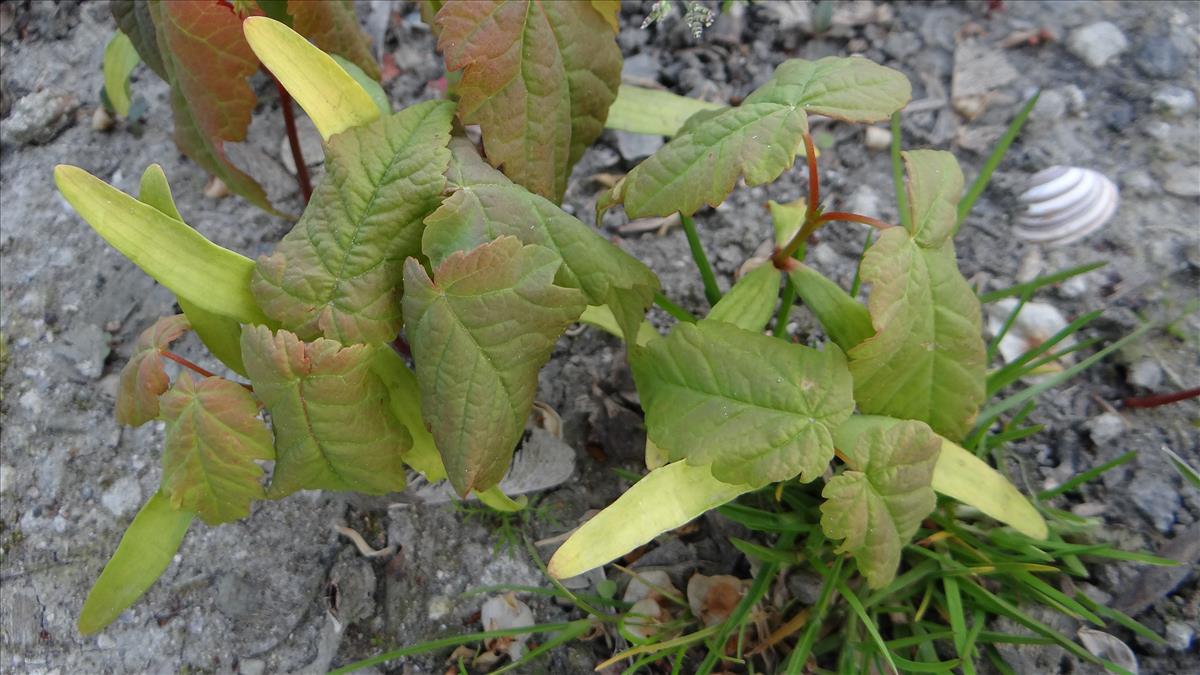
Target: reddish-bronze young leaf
x=538, y=77
x=333, y=26
x=207, y=62
x=333, y=428
x=480, y=330
x=143, y=379
x=213, y=436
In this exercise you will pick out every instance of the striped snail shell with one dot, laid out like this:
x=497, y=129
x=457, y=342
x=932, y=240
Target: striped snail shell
x=1064, y=204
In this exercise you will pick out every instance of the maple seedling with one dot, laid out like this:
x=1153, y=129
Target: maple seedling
x=415, y=236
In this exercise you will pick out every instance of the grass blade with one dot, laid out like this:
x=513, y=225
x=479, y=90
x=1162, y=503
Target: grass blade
x=867, y=622
x=799, y=655
x=1020, y=367
x=1189, y=474
x=1086, y=476
x=454, y=641
x=989, y=414
x=985, y=174
x=1041, y=282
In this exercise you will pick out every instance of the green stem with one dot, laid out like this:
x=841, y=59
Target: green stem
x=673, y=309
x=898, y=175
x=711, y=292
x=812, y=212
x=830, y=216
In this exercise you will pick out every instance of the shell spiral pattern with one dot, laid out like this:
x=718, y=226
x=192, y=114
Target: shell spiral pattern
x=1064, y=204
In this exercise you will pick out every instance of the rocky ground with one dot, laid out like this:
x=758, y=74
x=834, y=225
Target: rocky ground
x=1119, y=84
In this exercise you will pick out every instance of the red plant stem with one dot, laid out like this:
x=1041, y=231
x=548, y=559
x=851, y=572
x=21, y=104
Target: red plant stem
x=193, y=367
x=1155, y=400
x=289, y=120
x=854, y=217
x=814, y=182
x=782, y=259
x=186, y=364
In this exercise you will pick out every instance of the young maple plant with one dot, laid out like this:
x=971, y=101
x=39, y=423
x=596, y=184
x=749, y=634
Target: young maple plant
x=415, y=242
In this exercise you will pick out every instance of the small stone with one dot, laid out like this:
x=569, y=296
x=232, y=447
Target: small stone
x=7, y=475
x=123, y=497
x=878, y=138
x=38, y=117
x=1097, y=44
x=21, y=620
x=439, y=607
x=1157, y=129
x=1146, y=374
x=252, y=667
x=1050, y=108
x=865, y=200
x=1179, y=636
x=635, y=147
x=31, y=401
x=1074, y=288
x=1076, y=99
x=104, y=641
x=1175, y=100
x=86, y=347
x=979, y=70
x=216, y=189
x=1105, y=428
x=1182, y=181
x=1119, y=115
x=1157, y=500
x=1160, y=58
x=1089, y=509
x=1140, y=182
x=902, y=45
x=101, y=120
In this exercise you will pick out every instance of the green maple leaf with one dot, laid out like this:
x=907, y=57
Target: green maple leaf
x=757, y=408
x=758, y=139
x=479, y=212
x=751, y=302
x=537, y=77
x=213, y=437
x=143, y=379
x=480, y=330
x=877, y=504
x=333, y=430
x=337, y=274
x=926, y=360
